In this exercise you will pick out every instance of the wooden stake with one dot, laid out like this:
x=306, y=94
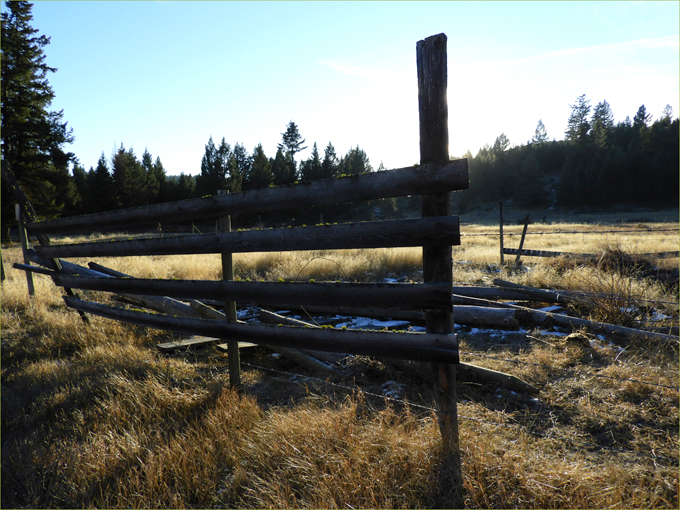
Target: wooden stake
x=500, y=206
x=24, y=247
x=521, y=242
x=437, y=260
x=224, y=225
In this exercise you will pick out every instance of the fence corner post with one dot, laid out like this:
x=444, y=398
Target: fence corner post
x=224, y=225
x=23, y=235
x=431, y=60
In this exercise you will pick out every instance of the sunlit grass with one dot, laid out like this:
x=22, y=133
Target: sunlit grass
x=95, y=416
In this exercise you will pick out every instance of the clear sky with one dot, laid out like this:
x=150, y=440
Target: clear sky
x=167, y=75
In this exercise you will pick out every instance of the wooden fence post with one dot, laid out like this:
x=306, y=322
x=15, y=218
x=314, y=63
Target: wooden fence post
x=521, y=242
x=500, y=207
x=23, y=235
x=224, y=225
x=437, y=260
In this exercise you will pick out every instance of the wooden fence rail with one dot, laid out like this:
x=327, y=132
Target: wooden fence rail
x=417, y=180
x=376, y=234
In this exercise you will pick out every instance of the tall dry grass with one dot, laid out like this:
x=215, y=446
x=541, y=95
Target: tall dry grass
x=95, y=416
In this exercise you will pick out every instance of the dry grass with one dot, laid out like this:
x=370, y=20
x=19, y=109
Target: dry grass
x=96, y=417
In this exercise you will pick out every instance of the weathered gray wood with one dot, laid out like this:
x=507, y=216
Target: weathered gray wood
x=382, y=295
x=500, y=207
x=301, y=358
x=436, y=231
x=417, y=180
x=195, y=341
x=437, y=260
x=478, y=316
x=467, y=372
x=224, y=225
x=521, y=242
x=537, y=294
x=417, y=346
x=24, y=248
x=33, y=269
x=546, y=253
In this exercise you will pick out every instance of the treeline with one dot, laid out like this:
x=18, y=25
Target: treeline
x=127, y=181
x=598, y=165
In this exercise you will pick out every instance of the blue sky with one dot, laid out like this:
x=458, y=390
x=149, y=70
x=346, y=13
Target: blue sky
x=165, y=76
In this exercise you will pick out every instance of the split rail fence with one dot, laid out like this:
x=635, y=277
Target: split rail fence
x=436, y=231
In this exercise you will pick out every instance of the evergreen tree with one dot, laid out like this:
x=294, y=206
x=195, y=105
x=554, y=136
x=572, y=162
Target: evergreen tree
x=642, y=118
x=311, y=169
x=355, y=162
x=602, y=124
x=161, y=178
x=329, y=165
x=578, y=125
x=33, y=137
x=291, y=144
x=101, y=188
x=541, y=134
x=214, y=166
x=667, y=113
x=151, y=185
x=283, y=169
x=239, y=166
x=129, y=179
x=501, y=144
x=260, y=175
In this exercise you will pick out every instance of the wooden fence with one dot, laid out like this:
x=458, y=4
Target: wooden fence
x=436, y=231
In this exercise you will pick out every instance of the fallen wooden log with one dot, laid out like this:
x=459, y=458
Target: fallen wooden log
x=207, y=312
x=468, y=315
x=548, y=296
x=159, y=304
x=440, y=348
x=466, y=372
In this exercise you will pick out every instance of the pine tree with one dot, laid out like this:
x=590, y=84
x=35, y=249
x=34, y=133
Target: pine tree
x=290, y=145
x=355, y=162
x=214, y=166
x=329, y=165
x=161, y=178
x=151, y=185
x=311, y=170
x=33, y=138
x=129, y=179
x=642, y=118
x=541, y=134
x=239, y=166
x=578, y=126
x=101, y=190
x=260, y=175
x=602, y=124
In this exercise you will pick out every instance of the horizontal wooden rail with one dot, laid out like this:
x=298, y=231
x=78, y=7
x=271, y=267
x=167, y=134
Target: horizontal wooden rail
x=416, y=180
x=431, y=347
x=545, y=253
x=438, y=231
x=387, y=295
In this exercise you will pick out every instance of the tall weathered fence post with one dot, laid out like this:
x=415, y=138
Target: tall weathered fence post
x=23, y=236
x=224, y=225
x=500, y=207
x=437, y=260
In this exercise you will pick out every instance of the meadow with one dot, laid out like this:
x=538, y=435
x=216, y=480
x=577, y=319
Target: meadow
x=95, y=416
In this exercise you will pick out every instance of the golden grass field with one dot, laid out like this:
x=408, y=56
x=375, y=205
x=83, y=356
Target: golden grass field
x=96, y=416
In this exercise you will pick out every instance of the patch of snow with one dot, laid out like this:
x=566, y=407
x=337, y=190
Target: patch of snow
x=393, y=389
x=366, y=322
x=658, y=316
x=553, y=308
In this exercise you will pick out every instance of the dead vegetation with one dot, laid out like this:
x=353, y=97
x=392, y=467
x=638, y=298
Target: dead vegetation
x=95, y=416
